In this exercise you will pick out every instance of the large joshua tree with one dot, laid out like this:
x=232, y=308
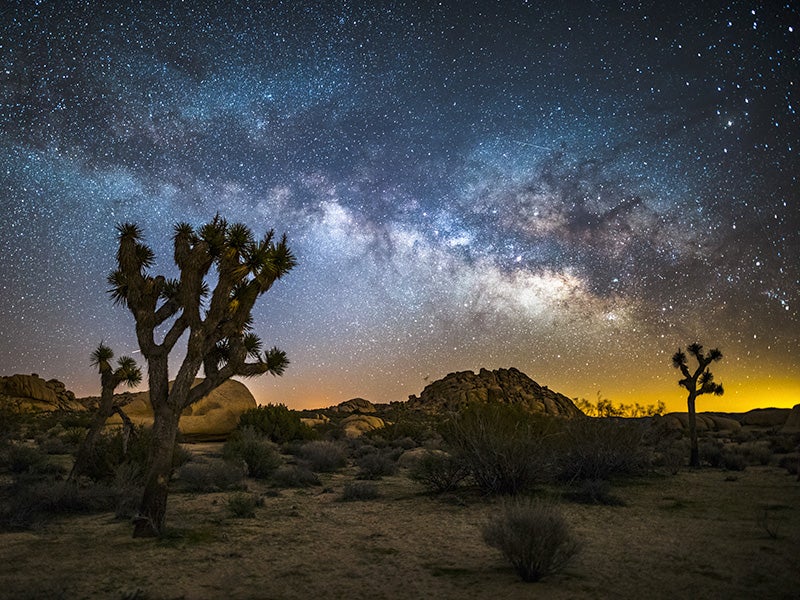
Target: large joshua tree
x=218, y=324
x=699, y=382
x=126, y=372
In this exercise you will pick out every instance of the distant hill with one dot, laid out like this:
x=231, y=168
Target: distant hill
x=509, y=386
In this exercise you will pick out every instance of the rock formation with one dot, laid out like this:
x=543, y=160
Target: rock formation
x=792, y=424
x=212, y=418
x=354, y=405
x=679, y=421
x=765, y=417
x=503, y=385
x=33, y=392
x=357, y=425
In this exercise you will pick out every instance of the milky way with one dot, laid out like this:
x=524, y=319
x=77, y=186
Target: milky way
x=571, y=188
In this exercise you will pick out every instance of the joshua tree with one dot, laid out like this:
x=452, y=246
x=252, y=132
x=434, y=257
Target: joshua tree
x=126, y=372
x=218, y=324
x=702, y=377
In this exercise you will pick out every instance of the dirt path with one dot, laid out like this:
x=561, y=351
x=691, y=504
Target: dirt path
x=697, y=534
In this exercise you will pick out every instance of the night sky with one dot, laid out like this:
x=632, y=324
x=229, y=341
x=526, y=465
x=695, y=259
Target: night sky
x=571, y=188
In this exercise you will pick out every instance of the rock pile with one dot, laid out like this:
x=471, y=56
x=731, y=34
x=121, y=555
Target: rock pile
x=503, y=385
x=354, y=405
x=212, y=418
x=34, y=392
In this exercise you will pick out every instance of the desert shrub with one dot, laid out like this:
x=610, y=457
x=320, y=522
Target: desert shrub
x=533, y=535
x=243, y=505
x=594, y=491
x=439, y=472
x=406, y=425
x=504, y=447
x=111, y=450
x=790, y=463
x=359, y=490
x=733, y=460
x=254, y=450
x=757, y=453
x=295, y=476
x=375, y=465
x=127, y=488
x=277, y=423
x=323, y=456
x=212, y=476
x=27, y=459
x=599, y=448
x=710, y=452
x=784, y=443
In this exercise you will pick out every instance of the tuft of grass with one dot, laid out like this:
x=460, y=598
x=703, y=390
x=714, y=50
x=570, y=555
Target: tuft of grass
x=295, y=476
x=360, y=490
x=243, y=505
x=533, y=535
x=211, y=476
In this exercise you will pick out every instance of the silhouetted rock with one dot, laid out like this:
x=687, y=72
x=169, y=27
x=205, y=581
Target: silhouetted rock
x=213, y=417
x=765, y=417
x=705, y=422
x=33, y=392
x=509, y=386
x=354, y=405
x=792, y=424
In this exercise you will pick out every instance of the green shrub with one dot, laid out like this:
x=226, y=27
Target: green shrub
x=505, y=448
x=710, y=452
x=254, y=450
x=375, y=465
x=533, y=535
x=599, y=448
x=360, y=490
x=277, y=423
x=213, y=476
x=757, y=453
x=439, y=471
x=295, y=476
x=323, y=456
x=243, y=505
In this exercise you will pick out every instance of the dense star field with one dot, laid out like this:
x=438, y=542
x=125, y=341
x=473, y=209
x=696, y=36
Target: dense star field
x=571, y=188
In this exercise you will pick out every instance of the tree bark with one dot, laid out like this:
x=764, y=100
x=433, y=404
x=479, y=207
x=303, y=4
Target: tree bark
x=694, y=456
x=104, y=410
x=153, y=509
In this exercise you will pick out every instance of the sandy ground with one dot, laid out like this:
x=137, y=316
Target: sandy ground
x=692, y=535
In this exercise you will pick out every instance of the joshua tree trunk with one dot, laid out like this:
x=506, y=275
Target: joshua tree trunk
x=694, y=456
x=153, y=508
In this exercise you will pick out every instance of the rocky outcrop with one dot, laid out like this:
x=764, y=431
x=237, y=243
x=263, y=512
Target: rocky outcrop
x=509, y=386
x=679, y=421
x=33, y=392
x=765, y=417
x=792, y=424
x=211, y=418
x=357, y=425
x=354, y=405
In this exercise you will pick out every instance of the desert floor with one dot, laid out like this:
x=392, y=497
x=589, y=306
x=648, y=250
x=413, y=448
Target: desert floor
x=697, y=534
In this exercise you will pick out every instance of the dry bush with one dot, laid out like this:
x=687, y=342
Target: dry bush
x=323, y=456
x=440, y=472
x=295, y=476
x=214, y=476
x=360, y=490
x=599, y=448
x=533, y=535
x=504, y=447
x=375, y=465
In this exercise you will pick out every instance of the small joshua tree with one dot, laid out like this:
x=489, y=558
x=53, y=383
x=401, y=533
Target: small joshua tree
x=217, y=325
x=126, y=372
x=697, y=383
